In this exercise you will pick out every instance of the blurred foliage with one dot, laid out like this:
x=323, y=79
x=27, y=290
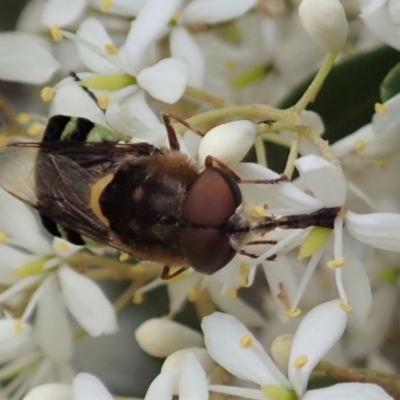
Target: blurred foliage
x=9, y=11
x=391, y=84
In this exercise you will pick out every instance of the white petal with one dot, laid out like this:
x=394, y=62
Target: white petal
x=147, y=28
x=192, y=380
x=52, y=328
x=377, y=18
x=353, y=391
x=228, y=142
x=182, y=45
x=72, y=100
x=238, y=391
x=214, y=11
x=25, y=58
x=161, y=387
x=222, y=335
x=326, y=181
x=64, y=249
x=378, y=230
x=87, y=303
x=165, y=81
x=88, y=387
x=50, y=391
x=124, y=8
x=319, y=330
x=173, y=363
x=161, y=337
x=15, y=335
x=62, y=12
x=93, y=31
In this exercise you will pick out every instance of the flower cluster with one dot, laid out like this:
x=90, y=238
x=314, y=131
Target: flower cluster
x=301, y=261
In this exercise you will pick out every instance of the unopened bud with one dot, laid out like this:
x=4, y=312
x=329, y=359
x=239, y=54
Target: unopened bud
x=50, y=391
x=325, y=21
x=228, y=142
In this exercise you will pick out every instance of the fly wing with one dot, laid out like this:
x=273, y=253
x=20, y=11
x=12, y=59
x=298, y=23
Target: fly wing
x=56, y=186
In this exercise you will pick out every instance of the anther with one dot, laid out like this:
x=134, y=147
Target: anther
x=47, y=93
x=300, y=362
x=335, y=264
x=380, y=108
x=293, y=313
x=56, y=33
x=246, y=341
x=346, y=307
x=111, y=49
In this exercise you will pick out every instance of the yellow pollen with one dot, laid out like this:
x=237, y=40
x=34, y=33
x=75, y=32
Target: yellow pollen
x=246, y=341
x=105, y=5
x=380, y=108
x=242, y=282
x=34, y=129
x=103, y=101
x=47, y=93
x=62, y=246
x=23, y=118
x=244, y=270
x=346, y=307
x=381, y=164
x=257, y=211
x=55, y=32
x=293, y=313
x=335, y=264
x=359, y=146
x=193, y=294
x=123, y=257
x=300, y=362
x=18, y=326
x=232, y=293
x=3, y=237
x=138, y=298
x=111, y=49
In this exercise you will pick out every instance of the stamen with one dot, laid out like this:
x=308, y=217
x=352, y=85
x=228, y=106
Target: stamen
x=18, y=326
x=241, y=282
x=3, y=237
x=105, y=5
x=346, y=307
x=300, y=362
x=56, y=33
x=380, y=108
x=103, y=101
x=35, y=129
x=293, y=313
x=111, y=49
x=232, y=293
x=138, y=298
x=193, y=294
x=124, y=257
x=359, y=146
x=23, y=118
x=62, y=246
x=257, y=211
x=246, y=341
x=335, y=264
x=47, y=94
x=244, y=270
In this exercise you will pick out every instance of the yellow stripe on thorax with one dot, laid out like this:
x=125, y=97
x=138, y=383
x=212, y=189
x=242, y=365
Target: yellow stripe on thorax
x=95, y=193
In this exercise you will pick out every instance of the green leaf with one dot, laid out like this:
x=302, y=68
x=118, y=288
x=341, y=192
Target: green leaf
x=391, y=84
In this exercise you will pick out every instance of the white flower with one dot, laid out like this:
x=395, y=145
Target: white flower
x=382, y=18
x=242, y=355
x=25, y=58
x=325, y=21
x=84, y=387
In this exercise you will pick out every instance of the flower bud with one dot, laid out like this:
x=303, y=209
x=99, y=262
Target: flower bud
x=162, y=337
x=50, y=391
x=228, y=142
x=325, y=21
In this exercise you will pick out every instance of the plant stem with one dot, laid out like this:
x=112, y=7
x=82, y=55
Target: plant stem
x=293, y=153
x=207, y=97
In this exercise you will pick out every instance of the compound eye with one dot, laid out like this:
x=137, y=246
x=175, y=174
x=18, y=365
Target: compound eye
x=212, y=199
x=207, y=250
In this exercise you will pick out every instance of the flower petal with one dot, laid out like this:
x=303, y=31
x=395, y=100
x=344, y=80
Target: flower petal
x=223, y=334
x=182, y=45
x=165, y=81
x=50, y=391
x=88, y=387
x=380, y=230
x=319, y=330
x=353, y=391
x=326, y=181
x=214, y=11
x=87, y=303
x=192, y=380
x=25, y=58
x=62, y=12
x=161, y=387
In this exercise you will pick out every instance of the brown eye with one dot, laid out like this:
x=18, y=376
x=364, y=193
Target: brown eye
x=207, y=250
x=210, y=203
x=212, y=199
